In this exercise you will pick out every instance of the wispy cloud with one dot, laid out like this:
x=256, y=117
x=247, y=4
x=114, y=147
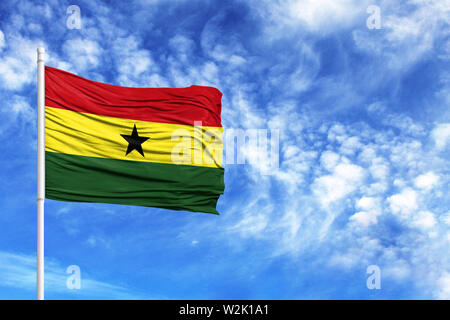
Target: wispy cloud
x=19, y=271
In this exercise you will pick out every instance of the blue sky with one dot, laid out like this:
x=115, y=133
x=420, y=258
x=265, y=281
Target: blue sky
x=364, y=126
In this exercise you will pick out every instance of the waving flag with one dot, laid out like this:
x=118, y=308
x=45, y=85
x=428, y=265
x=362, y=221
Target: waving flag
x=157, y=147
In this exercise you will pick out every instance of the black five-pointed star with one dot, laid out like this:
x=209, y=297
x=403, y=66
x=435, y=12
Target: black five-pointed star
x=134, y=141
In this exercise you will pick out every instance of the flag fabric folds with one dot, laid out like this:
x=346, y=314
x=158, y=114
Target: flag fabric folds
x=156, y=147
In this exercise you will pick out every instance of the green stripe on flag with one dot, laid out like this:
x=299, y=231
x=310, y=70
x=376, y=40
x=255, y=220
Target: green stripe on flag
x=170, y=186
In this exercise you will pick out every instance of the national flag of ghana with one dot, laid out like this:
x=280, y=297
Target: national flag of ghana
x=156, y=147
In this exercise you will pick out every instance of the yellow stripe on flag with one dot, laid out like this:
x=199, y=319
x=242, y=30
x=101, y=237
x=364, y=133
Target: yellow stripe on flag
x=91, y=135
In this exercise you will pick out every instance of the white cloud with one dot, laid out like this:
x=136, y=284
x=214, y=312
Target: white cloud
x=83, y=54
x=183, y=47
x=408, y=34
x=424, y=220
x=313, y=15
x=13, y=73
x=443, y=284
x=379, y=170
x=325, y=15
x=350, y=146
x=426, y=181
x=337, y=133
x=403, y=203
x=251, y=225
x=446, y=218
x=18, y=62
x=441, y=135
x=367, y=154
x=19, y=271
x=329, y=160
x=2, y=40
x=132, y=62
x=370, y=209
x=364, y=218
x=395, y=120
x=20, y=107
x=398, y=269
x=346, y=178
x=367, y=203
x=16, y=111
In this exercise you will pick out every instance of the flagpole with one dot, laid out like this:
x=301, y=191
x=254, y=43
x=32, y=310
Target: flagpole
x=40, y=173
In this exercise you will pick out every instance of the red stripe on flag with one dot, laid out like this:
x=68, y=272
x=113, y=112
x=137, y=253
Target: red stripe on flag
x=66, y=90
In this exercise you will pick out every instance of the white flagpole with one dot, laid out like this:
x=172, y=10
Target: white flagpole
x=40, y=172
